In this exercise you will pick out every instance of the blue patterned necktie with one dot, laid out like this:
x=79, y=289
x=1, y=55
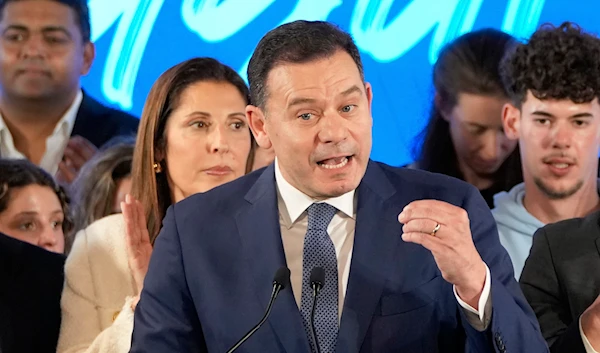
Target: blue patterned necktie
x=320, y=252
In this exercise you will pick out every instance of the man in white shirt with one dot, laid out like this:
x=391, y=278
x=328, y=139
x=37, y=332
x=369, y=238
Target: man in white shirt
x=411, y=260
x=553, y=81
x=44, y=50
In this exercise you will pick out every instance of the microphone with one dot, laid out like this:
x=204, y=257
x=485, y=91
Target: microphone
x=280, y=281
x=317, y=280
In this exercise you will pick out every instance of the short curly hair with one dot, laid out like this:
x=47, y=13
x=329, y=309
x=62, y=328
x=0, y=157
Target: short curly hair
x=556, y=63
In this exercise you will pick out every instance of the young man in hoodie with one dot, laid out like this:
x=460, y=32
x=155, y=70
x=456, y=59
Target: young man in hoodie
x=554, y=83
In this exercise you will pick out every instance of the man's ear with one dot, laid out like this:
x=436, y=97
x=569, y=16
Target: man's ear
x=257, y=122
x=89, y=53
x=369, y=92
x=511, y=120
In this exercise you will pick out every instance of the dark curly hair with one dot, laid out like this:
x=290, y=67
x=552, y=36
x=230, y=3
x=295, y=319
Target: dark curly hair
x=556, y=63
x=17, y=173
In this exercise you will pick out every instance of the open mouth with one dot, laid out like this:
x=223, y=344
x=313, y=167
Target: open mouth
x=334, y=163
x=559, y=168
x=560, y=165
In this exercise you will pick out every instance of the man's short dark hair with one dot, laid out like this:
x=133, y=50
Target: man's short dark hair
x=556, y=63
x=296, y=42
x=80, y=7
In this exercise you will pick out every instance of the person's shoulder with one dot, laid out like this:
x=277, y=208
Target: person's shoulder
x=425, y=180
x=414, y=184
x=108, y=114
x=569, y=229
x=103, y=235
x=223, y=199
x=121, y=118
x=99, y=252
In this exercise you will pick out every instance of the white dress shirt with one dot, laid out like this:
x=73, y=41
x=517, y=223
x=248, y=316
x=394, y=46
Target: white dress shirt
x=55, y=143
x=293, y=220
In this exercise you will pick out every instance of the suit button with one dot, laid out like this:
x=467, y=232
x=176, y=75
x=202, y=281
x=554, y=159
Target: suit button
x=499, y=342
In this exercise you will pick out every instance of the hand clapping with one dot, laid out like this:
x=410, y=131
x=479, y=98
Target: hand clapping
x=137, y=240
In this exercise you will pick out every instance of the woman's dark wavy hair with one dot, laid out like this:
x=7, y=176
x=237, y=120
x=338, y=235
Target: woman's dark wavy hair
x=469, y=64
x=556, y=63
x=18, y=173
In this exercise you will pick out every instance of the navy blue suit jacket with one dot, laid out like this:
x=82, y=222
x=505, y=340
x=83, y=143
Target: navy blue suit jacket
x=99, y=123
x=210, y=276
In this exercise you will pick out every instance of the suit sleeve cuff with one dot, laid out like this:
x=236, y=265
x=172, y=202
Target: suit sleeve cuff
x=586, y=344
x=483, y=299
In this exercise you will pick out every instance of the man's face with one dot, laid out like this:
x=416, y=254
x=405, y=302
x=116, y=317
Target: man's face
x=317, y=118
x=42, y=52
x=559, y=142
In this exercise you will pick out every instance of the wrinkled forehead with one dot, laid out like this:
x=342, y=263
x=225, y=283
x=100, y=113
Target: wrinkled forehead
x=324, y=78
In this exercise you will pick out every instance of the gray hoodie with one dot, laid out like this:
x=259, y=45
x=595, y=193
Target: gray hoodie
x=515, y=225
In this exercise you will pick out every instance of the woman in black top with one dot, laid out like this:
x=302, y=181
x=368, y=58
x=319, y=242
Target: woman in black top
x=464, y=137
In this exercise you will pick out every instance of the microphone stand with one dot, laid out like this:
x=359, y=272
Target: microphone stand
x=276, y=288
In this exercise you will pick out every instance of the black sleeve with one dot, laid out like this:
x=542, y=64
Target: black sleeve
x=541, y=287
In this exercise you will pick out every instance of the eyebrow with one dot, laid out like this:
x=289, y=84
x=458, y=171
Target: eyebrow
x=44, y=29
x=207, y=114
x=548, y=115
x=27, y=213
x=33, y=213
x=302, y=100
x=349, y=91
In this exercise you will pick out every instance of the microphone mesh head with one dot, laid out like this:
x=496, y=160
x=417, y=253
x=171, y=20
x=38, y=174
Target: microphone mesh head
x=282, y=277
x=317, y=275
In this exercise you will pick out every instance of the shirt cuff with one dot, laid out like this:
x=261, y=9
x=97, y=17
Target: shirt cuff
x=483, y=299
x=586, y=344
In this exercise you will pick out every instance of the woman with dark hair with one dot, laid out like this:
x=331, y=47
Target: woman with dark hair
x=193, y=136
x=33, y=207
x=464, y=137
x=34, y=219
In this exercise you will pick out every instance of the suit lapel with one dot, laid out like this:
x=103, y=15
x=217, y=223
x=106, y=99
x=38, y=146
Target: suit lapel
x=376, y=241
x=88, y=122
x=261, y=237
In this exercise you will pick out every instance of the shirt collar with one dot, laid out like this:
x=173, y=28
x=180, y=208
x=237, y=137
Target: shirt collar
x=296, y=202
x=66, y=122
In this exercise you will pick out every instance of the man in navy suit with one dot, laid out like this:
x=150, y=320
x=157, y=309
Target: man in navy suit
x=412, y=260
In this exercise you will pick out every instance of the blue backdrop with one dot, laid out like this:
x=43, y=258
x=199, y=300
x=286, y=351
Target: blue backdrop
x=137, y=40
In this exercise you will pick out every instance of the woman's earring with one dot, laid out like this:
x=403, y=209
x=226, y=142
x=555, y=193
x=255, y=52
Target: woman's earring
x=157, y=168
